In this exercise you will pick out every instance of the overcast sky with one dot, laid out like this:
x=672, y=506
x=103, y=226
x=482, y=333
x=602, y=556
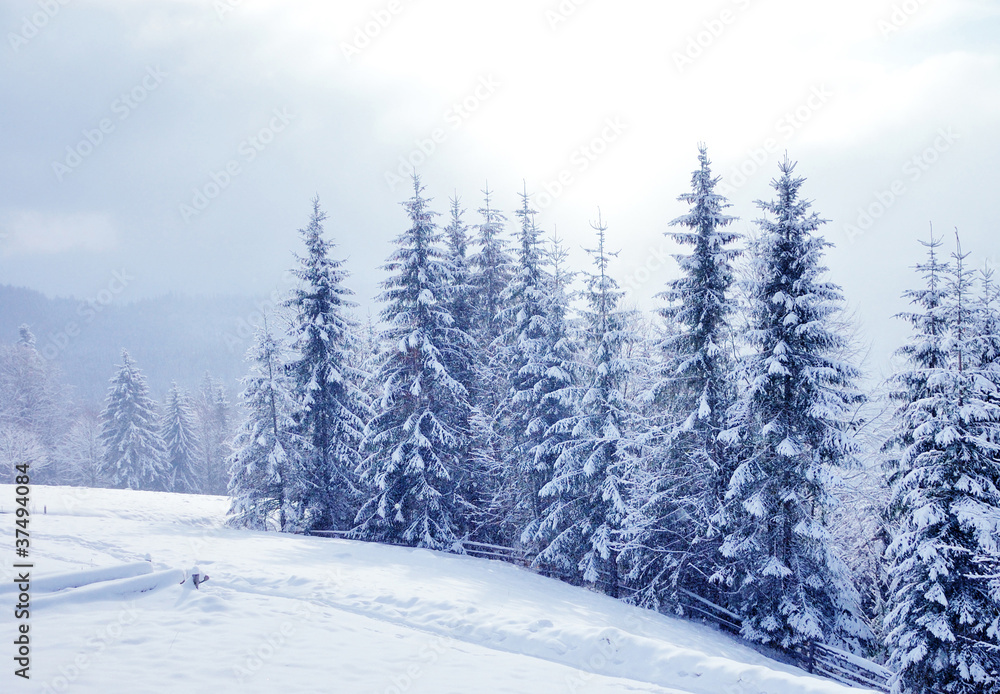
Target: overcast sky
x=178, y=143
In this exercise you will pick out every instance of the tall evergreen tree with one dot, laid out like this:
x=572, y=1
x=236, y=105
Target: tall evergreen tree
x=461, y=298
x=180, y=442
x=133, y=449
x=986, y=326
x=476, y=479
x=793, y=421
x=927, y=352
x=689, y=471
x=582, y=525
x=331, y=405
x=944, y=601
x=416, y=440
x=492, y=266
x=266, y=467
x=524, y=318
x=555, y=393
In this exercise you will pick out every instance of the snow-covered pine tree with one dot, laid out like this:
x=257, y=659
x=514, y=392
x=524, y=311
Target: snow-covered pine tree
x=492, y=267
x=461, y=297
x=133, y=449
x=415, y=442
x=180, y=442
x=927, y=351
x=332, y=408
x=944, y=599
x=366, y=352
x=792, y=424
x=924, y=354
x=583, y=523
x=524, y=319
x=986, y=319
x=555, y=393
x=479, y=479
x=476, y=481
x=266, y=467
x=688, y=469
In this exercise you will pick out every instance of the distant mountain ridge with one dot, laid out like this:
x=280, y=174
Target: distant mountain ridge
x=172, y=337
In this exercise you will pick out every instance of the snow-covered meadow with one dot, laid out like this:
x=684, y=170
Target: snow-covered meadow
x=304, y=614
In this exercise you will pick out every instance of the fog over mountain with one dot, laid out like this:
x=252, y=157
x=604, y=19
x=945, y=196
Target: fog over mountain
x=172, y=338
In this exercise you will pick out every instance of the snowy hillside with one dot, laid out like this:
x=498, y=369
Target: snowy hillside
x=302, y=614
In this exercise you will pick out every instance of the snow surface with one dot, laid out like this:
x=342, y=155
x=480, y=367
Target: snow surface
x=304, y=614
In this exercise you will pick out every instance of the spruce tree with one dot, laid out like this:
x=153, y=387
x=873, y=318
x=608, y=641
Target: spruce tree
x=944, y=598
x=986, y=318
x=793, y=428
x=673, y=545
x=133, y=449
x=475, y=482
x=581, y=527
x=416, y=440
x=180, y=442
x=556, y=392
x=492, y=267
x=524, y=317
x=541, y=357
x=462, y=297
x=266, y=468
x=331, y=407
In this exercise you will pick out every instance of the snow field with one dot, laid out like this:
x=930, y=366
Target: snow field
x=306, y=614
